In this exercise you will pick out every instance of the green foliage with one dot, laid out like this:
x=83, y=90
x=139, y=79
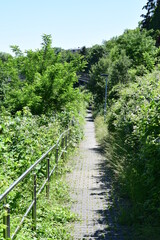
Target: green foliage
x=137, y=43
x=38, y=101
x=97, y=82
x=131, y=141
x=152, y=17
x=131, y=134
x=133, y=122
x=125, y=57
x=94, y=55
x=41, y=80
x=118, y=69
x=4, y=56
x=16, y=50
x=23, y=139
x=151, y=20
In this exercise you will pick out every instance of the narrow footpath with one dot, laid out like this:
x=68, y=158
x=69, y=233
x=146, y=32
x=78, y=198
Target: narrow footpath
x=91, y=191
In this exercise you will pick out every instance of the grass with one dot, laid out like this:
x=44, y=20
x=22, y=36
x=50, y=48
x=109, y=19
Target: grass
x=54, y=216
x=100, y=129
x=115, y=156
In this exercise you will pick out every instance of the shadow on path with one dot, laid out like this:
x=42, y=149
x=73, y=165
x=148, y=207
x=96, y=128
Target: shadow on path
x=89, y=117
x=109, y=214
x=93, y=198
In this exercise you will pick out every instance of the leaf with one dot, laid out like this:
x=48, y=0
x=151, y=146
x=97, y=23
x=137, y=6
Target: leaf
x=3, y=226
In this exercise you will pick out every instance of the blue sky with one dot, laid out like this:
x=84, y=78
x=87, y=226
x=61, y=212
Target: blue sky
x=72, y=23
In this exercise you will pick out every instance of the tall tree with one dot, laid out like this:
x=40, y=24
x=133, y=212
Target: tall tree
x=149, y=7
x=151, y=20
x=155, y=20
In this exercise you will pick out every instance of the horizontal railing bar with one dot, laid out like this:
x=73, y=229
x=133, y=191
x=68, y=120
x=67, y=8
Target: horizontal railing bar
x=42, y=187
x=24, y=174
x=2, y=196
x=30, y=207
x=52, y=171
x=46, y=180
x=22, y=220
x=60, y=155
x=62, y=135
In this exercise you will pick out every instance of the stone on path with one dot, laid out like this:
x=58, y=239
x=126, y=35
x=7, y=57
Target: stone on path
x=90, y=190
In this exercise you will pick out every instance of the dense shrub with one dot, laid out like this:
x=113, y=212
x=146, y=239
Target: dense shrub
x=134, y=122
x=41, y=80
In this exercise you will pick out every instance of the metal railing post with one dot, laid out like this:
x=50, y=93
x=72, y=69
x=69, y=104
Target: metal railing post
x=6, y=221
x=34, y=205
x=68, y=133
x=47, y=175
x=63, y=147
x=73, y=121
x=66, y=142
x=56, y=156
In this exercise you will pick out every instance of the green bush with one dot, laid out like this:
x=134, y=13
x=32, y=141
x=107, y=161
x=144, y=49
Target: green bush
x=23, y=139
x=134, y=122
x=41, y=80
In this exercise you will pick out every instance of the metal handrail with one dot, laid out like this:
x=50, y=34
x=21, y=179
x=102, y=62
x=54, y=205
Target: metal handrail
x=6, y=220
x=2, y=196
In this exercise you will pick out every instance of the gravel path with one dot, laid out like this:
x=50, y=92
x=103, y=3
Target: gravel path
x=91, y=191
